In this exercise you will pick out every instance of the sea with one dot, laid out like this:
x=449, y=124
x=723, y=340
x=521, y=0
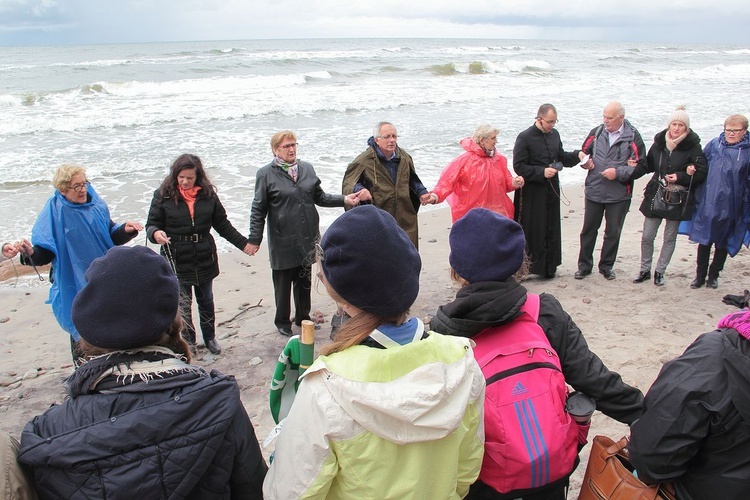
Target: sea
x=125, y=111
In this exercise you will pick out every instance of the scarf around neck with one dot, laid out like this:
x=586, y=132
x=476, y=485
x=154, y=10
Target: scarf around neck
x=190, y=195
x=290, y=168
x=118, y=369
x=672, y=143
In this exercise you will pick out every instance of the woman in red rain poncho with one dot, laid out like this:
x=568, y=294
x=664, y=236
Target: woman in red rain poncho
x=478, y=178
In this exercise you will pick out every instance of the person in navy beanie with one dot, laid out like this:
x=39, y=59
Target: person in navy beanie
x=140, y=420
x=487, y=257
x=389, y=410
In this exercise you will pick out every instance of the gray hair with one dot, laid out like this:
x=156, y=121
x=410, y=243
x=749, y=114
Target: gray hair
x=376, y=131
x=741, y=120
x=484, y=131
x=617, y=107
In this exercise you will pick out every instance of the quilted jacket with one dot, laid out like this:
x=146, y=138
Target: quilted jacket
x=155, y=440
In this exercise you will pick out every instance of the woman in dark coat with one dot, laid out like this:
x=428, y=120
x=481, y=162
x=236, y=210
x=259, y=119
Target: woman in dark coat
x=141, y=421
x=286, y=192
x=183, y=211
x=677, y=160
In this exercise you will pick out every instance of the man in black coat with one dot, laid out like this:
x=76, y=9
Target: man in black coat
x=538, y=156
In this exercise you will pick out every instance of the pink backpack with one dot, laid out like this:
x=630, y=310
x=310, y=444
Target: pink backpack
x=530, y=441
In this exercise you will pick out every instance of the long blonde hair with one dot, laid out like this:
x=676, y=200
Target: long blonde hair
x=358, y=328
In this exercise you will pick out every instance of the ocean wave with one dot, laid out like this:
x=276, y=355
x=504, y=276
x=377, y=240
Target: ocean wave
x=738, y=52
x=443, y=69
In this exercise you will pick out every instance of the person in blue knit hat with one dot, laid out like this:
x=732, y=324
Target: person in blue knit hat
x=140, y=420
x=389, y=411
x=487, y=258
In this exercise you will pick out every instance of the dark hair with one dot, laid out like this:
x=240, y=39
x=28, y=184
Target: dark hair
x=169, y=187
x=172, y=339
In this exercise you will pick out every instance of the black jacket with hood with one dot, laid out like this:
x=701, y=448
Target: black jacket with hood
x=482, y=305
x=661, y=162
x=695, y=429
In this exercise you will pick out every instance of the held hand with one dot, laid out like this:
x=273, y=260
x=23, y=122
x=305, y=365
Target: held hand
x=24, y=246
x=9, y=251
x=364, y=195
x=351, y=200
x=161, y=237
x=690, y=170
x=519, y=181
x=249, y=249
x=632, y=163
x=589, y=165
x=433, y=199
x=671, y=178
x=425, y=199
x=610, y=173
x=549, y=172
x=132, y=227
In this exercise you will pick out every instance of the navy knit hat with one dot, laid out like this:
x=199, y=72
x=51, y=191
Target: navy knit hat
x=370, y=261
x=130, y=299
x=486, y=246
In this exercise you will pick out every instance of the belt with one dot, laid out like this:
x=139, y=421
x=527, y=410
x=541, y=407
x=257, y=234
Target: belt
x=192, y=238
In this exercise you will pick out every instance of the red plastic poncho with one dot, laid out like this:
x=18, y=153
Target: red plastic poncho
x=476, y=180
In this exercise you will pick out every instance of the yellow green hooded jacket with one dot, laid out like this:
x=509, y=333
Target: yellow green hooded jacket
x=397, y=423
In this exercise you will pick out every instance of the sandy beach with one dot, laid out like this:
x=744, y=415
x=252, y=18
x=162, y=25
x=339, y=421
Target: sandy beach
x=634, y=328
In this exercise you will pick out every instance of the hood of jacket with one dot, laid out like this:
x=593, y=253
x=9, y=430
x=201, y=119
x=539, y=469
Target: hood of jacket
x=743, y=143
x=470, y=146
x=691, y=140
x=407, y=394
x=478, y=306
x=736, y=357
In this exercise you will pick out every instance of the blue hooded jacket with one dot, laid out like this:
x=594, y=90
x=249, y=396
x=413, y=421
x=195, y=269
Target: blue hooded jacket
x=77, y=233
x=722, y=203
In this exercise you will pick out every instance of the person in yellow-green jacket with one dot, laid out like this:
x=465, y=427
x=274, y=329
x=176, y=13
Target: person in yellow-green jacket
x=389, y=411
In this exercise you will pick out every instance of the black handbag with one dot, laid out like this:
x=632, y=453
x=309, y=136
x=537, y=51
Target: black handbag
x=669, y=203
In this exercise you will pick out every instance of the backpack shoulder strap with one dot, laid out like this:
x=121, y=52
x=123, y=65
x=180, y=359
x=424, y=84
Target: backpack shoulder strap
x=531, y=306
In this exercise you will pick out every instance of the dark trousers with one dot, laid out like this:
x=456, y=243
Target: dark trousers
x=297, y=281
x=717, y=265
x=204, y=296
x=614, y=215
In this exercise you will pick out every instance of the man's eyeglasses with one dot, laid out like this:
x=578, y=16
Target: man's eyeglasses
x=388, y=136
x=733, y=130
x=548, y=122
x=79, y=188
x=288, y=146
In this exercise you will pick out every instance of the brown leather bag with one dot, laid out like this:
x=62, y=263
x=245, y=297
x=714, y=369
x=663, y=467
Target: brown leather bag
x=609, y=475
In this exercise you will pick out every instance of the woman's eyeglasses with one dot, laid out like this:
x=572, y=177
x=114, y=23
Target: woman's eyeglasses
x=79, y=188
x=733, y=130
x=288, y=146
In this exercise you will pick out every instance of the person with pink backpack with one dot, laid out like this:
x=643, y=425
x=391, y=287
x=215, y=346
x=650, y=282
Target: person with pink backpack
x=529, y=350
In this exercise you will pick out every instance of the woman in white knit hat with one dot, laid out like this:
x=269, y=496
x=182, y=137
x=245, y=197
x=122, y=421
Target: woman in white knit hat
x=677, y=162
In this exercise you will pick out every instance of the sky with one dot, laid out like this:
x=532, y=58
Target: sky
x=63, y=22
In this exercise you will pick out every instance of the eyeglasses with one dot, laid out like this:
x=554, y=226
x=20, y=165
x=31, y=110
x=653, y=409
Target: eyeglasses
x=79, y=188
x=388, y=136
x=733, y=130
x=288, y=146
x=548, y=122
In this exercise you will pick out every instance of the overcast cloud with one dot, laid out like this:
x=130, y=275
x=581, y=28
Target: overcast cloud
x=34, y=22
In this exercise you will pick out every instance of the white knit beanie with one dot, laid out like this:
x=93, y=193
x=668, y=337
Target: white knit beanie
x=680, y=115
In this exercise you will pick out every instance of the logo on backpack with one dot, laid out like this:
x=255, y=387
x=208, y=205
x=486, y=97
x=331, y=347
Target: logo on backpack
x=519, y=389
x=530, y=441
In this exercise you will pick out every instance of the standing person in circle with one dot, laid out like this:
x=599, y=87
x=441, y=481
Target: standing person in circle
x=675, y=158
x=183, y=211
x=722, y=204
x=539, y=157
x=72, y=230
x=286, y=193
x=478, y=178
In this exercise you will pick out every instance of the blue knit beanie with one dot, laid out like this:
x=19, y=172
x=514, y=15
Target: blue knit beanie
x=370, y=261
x=486, y=246
x=130, y=299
